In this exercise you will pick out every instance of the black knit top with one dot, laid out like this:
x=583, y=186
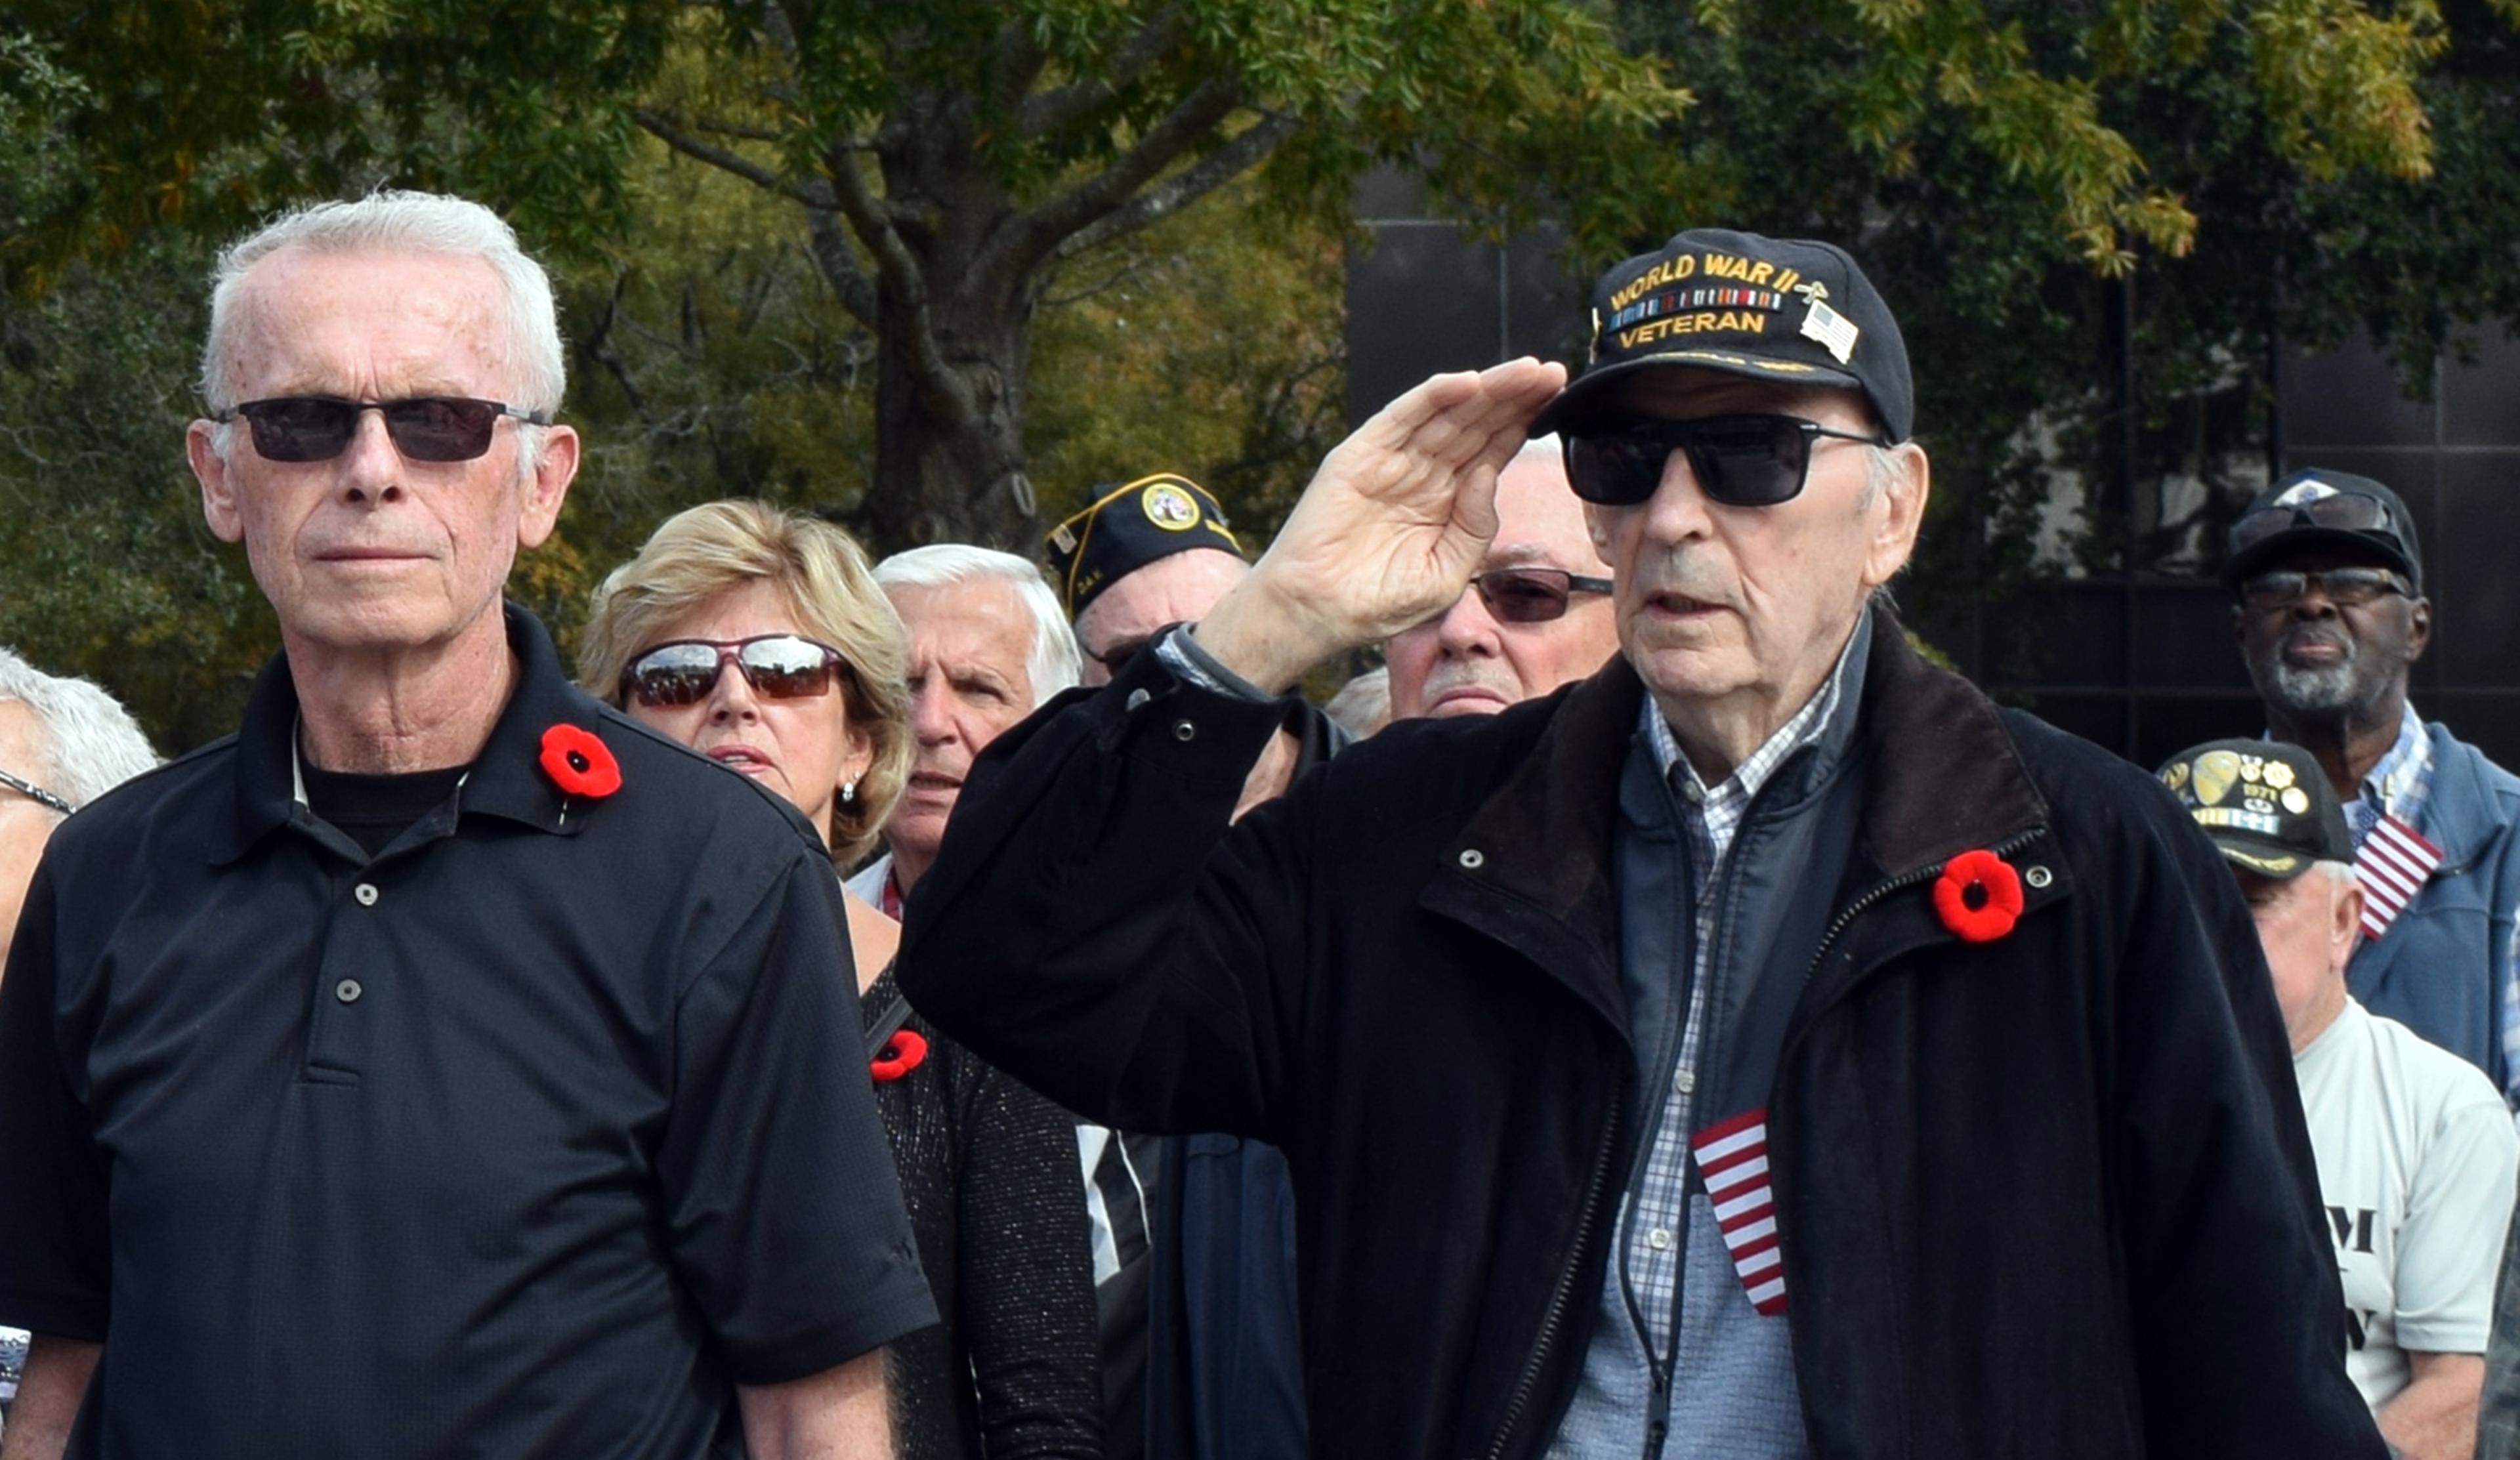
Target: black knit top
x=989, y=1170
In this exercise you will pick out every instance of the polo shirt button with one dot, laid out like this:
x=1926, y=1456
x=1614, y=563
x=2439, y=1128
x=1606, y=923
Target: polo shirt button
x=347, y=990
x=1182, y=730
x=366, y=893
x=1473, y=859
x=1137, y=698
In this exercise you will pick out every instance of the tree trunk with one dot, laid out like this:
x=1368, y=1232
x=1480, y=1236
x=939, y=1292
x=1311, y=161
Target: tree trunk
x=944, y=473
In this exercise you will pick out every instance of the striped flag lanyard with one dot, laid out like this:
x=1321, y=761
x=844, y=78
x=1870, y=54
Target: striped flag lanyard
x=2396, y=860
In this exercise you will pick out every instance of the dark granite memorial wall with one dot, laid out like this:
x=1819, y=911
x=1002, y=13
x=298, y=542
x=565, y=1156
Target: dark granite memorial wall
x=2144, y=673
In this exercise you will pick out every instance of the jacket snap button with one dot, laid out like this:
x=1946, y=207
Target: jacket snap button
x=1473, y=859
x=366, y=893
x=347, y=990
x=1137, y=698
x=2038, y=876
x=1182, y=730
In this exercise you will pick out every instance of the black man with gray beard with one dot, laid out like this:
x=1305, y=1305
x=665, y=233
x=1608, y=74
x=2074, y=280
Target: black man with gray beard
x=2331, y=616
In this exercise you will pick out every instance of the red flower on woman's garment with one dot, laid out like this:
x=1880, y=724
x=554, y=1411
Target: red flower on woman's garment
x=902, y=1053
x=579, y=763
x=1979, y=896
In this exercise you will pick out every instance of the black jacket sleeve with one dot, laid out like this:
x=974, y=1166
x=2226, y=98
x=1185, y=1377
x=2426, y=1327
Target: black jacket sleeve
x=1093, y=927
x=2238, y=1318
x=55, y=1259
x=1027, y=1278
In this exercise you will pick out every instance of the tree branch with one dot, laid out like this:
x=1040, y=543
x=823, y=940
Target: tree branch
x=1019, y=63
x=837, y=263
x=1021, y=243
x=663, y=129
x=1186, y=187
x=1054, y=109
x=945, y=393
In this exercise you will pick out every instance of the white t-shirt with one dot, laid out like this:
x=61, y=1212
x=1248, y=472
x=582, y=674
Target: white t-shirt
x=2417, y=1156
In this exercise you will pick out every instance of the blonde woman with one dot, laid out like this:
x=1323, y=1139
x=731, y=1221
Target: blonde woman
x=757, y=638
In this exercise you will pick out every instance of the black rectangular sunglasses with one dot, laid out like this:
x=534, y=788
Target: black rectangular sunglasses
x=424, y=428
x=1739, y=461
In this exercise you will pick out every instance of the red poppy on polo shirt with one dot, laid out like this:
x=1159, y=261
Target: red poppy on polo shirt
x=579, y=763
x=1978, y=896
x=902, y=1053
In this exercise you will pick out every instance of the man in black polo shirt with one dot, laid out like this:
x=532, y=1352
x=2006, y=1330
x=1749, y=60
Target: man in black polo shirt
x=442, y=1065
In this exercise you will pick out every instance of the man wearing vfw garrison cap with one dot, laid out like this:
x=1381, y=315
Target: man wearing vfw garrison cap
x=1201, y=1350
x=2331, y=617
x=1767, y=1047
x=2416, y=1154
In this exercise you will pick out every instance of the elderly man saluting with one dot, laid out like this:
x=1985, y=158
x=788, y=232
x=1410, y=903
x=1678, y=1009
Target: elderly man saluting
x=441, y=1065
x=1766, y=1048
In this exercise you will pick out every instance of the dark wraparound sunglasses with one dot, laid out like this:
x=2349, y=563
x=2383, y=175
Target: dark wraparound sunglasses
x=778, y=666
x=424, y=428
x=2349, y=511
x=1739, y=461
x=2346, y=587
x=36, y=793
x=1532, y=595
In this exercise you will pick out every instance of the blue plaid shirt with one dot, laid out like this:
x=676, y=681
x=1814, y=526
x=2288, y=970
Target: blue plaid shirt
x=2399, y=785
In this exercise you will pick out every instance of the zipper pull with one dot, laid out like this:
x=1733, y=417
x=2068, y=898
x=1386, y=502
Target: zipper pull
x=1658, y=1414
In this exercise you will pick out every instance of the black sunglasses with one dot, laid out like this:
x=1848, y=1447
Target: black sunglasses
x=778, y=666
x=1739, y=461
x=2346, y=587
x=1532, y=595
x=2347, y=512
x=36, y=793
x=424, y=428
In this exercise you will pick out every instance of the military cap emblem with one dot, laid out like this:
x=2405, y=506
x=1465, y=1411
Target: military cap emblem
x=2217, y=772
x=1169, y=507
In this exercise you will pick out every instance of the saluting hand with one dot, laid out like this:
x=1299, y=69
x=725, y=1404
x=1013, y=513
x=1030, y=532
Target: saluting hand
x=1390, y=529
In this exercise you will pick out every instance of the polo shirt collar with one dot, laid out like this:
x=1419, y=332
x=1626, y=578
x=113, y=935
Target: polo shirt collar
x=507, y=781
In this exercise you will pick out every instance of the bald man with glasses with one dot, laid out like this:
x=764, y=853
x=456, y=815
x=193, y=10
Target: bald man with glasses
x=1536, y=616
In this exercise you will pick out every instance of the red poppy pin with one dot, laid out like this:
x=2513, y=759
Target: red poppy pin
x=1979, y=896
x=579, y=763
x=902, y=1053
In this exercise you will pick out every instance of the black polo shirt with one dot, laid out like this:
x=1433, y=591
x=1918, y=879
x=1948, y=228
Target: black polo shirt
x=532, y=1135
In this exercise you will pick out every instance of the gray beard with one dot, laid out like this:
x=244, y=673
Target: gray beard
x=2315, y=692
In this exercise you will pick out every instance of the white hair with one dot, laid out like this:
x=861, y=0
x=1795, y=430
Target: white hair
x=90, y=743
x=1056, y=663
x=1543, y=446
x=392, y=221
x=2339, y=872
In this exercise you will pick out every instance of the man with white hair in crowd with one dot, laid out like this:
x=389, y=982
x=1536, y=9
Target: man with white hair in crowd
x=2416, y=1154
x=63, y=742
x=988, y=645
x=444, y=1063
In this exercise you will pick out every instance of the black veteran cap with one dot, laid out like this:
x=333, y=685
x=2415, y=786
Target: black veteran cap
x=1130, y=526
x=1770, y=309
x=2323, y=510
x=2267, y=807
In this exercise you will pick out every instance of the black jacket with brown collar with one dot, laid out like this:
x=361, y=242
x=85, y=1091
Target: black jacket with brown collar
x=2046, y=1196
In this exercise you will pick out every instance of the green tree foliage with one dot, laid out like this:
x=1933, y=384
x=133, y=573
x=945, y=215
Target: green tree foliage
x=937, y=269
x=2290, y=169
x=948, y=156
